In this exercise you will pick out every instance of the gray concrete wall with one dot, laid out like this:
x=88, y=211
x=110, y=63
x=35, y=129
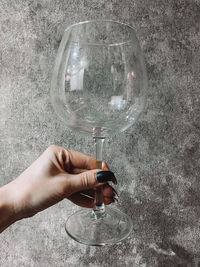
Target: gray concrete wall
x=157, y=162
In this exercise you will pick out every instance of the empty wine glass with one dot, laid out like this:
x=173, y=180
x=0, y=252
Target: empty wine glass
x=98, y=87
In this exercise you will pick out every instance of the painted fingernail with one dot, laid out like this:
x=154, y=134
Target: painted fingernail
x=115, y=193
x=106, y=176
x=115, y=200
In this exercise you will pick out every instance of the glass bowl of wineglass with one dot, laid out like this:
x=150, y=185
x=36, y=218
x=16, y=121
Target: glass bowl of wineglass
x=99, y=87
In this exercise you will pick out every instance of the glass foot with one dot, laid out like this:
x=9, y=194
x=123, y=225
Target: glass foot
x=112, y=227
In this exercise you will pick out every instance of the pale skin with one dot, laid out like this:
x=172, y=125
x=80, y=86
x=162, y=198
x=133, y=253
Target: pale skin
x=57, y=174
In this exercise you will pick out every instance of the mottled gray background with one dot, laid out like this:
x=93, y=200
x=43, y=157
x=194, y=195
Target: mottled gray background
x=157, y=163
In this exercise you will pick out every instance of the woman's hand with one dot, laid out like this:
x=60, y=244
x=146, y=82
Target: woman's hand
x=57, y=174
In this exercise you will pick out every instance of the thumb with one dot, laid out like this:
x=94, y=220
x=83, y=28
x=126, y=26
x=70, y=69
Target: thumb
x=90, y=179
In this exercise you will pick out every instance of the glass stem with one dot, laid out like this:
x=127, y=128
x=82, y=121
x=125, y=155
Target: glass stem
x=99, y=207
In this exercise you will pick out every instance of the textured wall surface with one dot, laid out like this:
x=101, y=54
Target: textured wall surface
x=157, y=163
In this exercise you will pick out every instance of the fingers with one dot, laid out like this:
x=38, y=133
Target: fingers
x=86, y=202
x=105, y=166
x=109, y=194
x=86, y=198
x=77, y=170
x=70, y=159
x=88, y=180
x=81, y=200
x=107, y=190
x=79, y=160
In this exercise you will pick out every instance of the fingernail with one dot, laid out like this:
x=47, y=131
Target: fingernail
x=115, y=193
x=106, y=176
x=115, y=200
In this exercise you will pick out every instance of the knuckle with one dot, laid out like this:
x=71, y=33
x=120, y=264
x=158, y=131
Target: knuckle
x=52, y=148
x=84, y=180
x=67, y=152
x=66, y=155
x=88, y=180
x=53, y=151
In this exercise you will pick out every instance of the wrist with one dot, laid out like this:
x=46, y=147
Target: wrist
x=8, y=203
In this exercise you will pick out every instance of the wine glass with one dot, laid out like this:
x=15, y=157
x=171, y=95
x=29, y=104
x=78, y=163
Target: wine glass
x=99, y=87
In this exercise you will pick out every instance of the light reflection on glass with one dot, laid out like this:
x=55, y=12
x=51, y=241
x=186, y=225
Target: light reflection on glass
x=76, y=80
x=117, y=101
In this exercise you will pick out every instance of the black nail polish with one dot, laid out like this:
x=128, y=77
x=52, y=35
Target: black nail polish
x=116, y=196
x=115, y=193
x=115, y=200
x=106, y=176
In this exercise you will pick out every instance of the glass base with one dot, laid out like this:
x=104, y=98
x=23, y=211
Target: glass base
x=110, y=228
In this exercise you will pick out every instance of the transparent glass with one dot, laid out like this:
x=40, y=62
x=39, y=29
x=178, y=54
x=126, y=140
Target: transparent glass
x=99, y=87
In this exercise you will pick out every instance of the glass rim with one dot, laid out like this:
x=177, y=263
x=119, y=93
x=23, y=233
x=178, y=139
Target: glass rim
x=104, y=20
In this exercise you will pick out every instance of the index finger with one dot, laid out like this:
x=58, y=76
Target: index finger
x=78, y=160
